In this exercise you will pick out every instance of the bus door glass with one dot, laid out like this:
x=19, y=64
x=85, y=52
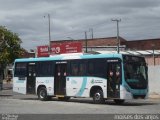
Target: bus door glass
x=31, y=78
x=60, y=79
x=113, y=78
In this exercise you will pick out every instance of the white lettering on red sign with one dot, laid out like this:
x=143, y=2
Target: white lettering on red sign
x=44, y=49
x=58, y=49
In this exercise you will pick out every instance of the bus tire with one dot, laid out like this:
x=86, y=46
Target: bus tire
x=119, y=101
x=98, y=97
x=42, y=94
x=63, y=98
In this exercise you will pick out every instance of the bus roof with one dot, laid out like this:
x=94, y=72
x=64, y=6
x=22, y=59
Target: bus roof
x=67, y=57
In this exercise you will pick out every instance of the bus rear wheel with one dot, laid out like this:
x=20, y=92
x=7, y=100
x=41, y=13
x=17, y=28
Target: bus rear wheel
x=119, y=101
x=42, y=94
x=98, y=97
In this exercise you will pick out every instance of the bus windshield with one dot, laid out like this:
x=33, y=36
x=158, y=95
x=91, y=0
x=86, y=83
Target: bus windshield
x=135, y=71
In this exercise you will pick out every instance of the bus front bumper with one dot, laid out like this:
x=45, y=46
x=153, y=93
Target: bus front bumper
x=133, y=93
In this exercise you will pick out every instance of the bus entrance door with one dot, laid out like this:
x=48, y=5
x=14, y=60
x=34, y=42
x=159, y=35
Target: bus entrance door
x=113, y=79
x=60, y=79
x=31, y=78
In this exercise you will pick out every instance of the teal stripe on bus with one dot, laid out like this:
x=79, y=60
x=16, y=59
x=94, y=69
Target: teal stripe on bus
x=83, y=86
x=20, y=81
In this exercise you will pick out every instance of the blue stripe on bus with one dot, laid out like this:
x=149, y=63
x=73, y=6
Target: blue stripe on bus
x=83, y=86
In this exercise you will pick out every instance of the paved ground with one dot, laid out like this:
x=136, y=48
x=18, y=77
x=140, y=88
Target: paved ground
x=13, y=105
x=29, y=104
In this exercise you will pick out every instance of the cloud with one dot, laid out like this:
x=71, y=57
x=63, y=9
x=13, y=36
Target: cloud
x=70, y=18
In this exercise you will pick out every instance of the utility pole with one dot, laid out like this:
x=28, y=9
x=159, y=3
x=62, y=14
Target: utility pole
x=153, y=47
x=118, y=41
x=49, y=34
x=49, y=27
x=86, y=41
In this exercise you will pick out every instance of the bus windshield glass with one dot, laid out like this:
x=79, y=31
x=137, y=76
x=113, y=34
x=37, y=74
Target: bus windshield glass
x=135, y=71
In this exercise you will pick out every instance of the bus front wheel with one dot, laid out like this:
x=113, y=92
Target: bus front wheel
x=98, y=97
x=42, y=94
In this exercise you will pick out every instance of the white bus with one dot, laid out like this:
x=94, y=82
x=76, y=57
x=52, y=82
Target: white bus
x=100, y=76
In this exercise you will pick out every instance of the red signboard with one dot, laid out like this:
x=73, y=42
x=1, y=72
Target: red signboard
x=74, y=47
x=68, y=47
x=42, y=51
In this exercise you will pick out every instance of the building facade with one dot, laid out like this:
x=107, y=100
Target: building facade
x=149, y=48
x=148, y=44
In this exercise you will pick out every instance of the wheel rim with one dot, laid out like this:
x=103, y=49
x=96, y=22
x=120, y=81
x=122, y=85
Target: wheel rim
x=42, y=94
x=97, y=96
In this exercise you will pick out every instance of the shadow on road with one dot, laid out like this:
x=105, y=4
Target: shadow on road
x=137, y=103
x=5, y=95
x=111, y=102
x=107, y=102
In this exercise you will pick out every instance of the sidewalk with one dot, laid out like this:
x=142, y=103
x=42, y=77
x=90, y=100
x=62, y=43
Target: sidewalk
x=154, y=95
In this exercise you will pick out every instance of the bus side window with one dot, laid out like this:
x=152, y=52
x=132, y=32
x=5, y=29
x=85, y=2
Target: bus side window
x=96, y=67
x=45, y=68
x=82, y=69
x=74, y=69
x=77, y=68
x=90, y=69
x=20, y=70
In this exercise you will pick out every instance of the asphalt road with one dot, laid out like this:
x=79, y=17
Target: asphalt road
x=27, y=107
x=29, y=104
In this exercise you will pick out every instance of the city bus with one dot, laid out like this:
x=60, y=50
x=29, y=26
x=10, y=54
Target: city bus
x=117, y=77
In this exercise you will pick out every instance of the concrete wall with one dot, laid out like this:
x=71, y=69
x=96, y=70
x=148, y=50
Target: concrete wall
x=150, y=60
x=154, y=79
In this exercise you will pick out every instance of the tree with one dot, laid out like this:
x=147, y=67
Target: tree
x=10, y=48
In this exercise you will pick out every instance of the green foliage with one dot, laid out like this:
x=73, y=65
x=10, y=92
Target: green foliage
x=10, y=48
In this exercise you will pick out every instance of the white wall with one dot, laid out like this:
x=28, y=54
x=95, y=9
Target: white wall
x=154, y=79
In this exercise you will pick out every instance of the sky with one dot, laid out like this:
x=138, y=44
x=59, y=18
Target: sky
x=69, y=19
